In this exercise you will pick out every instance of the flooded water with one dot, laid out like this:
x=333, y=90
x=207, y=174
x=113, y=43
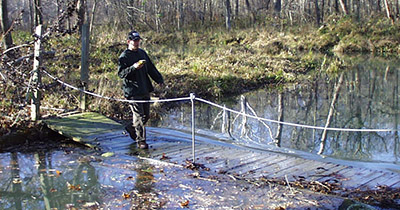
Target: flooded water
x=366, y=97
x=78, y=178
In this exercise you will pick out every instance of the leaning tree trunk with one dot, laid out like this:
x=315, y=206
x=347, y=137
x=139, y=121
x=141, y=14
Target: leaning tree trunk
x=5, y=25
x=388, y=12
x=330, y=114
x=343, y=6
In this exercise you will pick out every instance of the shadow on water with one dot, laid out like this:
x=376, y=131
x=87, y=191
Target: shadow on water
x=365, y=96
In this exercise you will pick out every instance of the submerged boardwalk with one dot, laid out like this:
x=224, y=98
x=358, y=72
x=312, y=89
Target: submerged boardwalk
x=175, y=147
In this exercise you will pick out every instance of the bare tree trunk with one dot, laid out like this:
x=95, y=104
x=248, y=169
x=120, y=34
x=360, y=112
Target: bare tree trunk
x=81, y=14
x=228, y=14
x=5, y=25
x=38, y=20
x=336, y=6
x=179, y=11
x=31, y=15
x=378, y=6
x=156, y=14
x=203, y=18
x=250, y=11
x=388, y=12
x=237, y=9
x=211, y=10
x=278, y=6
x=317, y=13
x=323, y=11
x=343, y=6
x=93, y=15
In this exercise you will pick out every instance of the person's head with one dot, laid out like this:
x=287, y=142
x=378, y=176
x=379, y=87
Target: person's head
x=134, y=40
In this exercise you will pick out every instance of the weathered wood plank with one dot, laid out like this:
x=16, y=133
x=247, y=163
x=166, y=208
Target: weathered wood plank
x=301, y=168
x=200, y=151
x=388, y=180
x=251, y=169
x=81, y=126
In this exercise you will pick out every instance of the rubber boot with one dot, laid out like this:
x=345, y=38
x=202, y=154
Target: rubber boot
x=131, y=131
x=141, y=144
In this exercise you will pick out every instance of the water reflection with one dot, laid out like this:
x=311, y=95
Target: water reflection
x=73, y=179
x=367, y=97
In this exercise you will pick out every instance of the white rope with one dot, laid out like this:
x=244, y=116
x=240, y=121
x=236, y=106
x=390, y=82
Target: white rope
x=294, y=124
x=115, y=99
x=219, y=106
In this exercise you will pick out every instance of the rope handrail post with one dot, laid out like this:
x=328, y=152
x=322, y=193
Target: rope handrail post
x=192, y=98
x=36, y=77
x=84, y=67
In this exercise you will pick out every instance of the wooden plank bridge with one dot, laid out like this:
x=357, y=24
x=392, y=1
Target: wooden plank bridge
x=175, y=147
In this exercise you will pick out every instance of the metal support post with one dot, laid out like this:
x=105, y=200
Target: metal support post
x=192, y=97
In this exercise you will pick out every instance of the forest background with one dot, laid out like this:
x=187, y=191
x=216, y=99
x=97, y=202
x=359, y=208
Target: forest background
x=214, y=48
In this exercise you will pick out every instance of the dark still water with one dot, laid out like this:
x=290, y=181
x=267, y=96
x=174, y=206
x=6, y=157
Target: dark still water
x=365, y=96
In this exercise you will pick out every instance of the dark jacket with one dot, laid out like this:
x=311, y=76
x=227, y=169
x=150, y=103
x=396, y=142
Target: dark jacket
x=136, y=81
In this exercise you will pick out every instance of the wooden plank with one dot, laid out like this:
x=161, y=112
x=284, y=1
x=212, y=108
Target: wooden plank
x=253, y=159
x=396, y=185
x=388, y=180
x=231, y=162
x=336, y=174
x=170, y=151
x=269, y=170
x=305, y=166
x=161, y=147
x=358, y=177
x=332, y=168
x=250, y=169
x=80, y=127
x=201, y=150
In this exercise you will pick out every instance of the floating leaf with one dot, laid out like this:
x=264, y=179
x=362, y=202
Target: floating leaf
x=164, y=157
x=107, y=154
x=185, y=204
x=126, y=195
x=17, y=181
x=90, y=205
x=130, y=178
x=58, y=172
x=74, y=187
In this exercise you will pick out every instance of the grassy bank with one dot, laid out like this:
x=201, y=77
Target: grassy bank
x=211, y=63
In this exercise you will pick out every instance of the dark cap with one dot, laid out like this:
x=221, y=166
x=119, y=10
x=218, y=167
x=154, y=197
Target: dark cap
x=134, y=35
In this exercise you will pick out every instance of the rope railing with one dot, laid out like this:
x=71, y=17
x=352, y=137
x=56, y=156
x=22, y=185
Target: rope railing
x=221, y=107
x=193, y=98
x=293, y=124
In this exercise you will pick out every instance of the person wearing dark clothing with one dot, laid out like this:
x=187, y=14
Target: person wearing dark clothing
x=136, y=69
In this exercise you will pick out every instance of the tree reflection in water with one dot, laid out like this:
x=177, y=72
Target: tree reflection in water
x=368, y=98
